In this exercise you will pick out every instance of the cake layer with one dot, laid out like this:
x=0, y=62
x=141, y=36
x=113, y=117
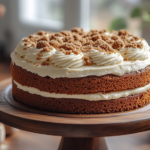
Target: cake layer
x=83, y=85
x=89, y=97
x=80, y=106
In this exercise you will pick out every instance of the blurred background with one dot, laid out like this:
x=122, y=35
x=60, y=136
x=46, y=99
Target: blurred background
x=24, y=17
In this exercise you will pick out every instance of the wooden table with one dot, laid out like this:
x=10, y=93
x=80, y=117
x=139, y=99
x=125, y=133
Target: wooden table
x=78, y=133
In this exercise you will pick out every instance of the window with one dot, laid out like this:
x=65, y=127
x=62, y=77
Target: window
x=45, y=13
x=61, y=14
x=55, y=14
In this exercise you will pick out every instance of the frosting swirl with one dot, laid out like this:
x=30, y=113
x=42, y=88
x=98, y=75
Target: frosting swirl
x=59, y=59
x=136, y=53
x=103, y=59
x=76, y=49
x=21, y=48
x=35, y=55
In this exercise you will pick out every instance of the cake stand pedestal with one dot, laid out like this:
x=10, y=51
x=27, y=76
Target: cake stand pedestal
x=79, y=132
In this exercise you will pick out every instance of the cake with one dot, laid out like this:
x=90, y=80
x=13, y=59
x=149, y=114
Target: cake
x=80, y=72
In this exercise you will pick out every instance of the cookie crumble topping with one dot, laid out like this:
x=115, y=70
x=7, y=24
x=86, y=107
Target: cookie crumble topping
x=78, y=41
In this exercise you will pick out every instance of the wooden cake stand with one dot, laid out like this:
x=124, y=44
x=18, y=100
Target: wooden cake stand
x=79, y=132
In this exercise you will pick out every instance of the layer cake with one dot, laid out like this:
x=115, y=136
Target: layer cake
x=82, y=72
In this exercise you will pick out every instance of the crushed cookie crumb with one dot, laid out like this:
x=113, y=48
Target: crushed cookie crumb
x=33, y=44
x=38, y=58
x=134, y=45
x=59, y=40
x=110, y=42
x=25, y=44
x=87, y=42
x=106, y=47
x=52, y=37
x=98, y=43
x=54, y=43
x=56, y=38
x=45, y=63
x=115, y=37
x=87, y=61
x=102, y=31
x=42, y=44
x=35, y=39
x=65, y=52
x=123, y=32
x=139, y=45
x=102, y=45
x=86, y=48
x=68, y=48
x=46, y=49
x=124, y=37
x=95, y=37
x=91, y=33
x=94, y=30
x=118, y=44
x=26, y=39
x=59, y=34
x=43, y=38
x=136, y=38
x=31, y=36
x=105, y=37
x=41, y=33
x=126, y=59
x=77, y=43
x=68, y=39
x=76, y=29
x=77, y=37
x=66, y=33
x=132, y=40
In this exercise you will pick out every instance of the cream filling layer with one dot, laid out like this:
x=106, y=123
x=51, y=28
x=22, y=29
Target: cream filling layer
x=83, y=71
x=90, y=97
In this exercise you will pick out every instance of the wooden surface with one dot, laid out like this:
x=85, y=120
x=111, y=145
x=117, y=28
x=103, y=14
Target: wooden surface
x=4, y=70
x=23, y=140
x=72, y=127
x=82, y=144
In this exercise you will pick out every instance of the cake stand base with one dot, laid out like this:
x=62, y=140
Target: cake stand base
x=68, y=143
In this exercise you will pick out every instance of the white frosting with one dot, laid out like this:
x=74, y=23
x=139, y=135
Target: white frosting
x=21, y=49
x=72, y=66
x=90, y=97
x=32, y=55
x=104, y=59
x=145, y=45
x=59, y=59
x=54, y=72
x=136, y=53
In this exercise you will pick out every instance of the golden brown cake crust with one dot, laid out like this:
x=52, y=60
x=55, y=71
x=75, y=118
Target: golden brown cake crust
x=79, y=106
x=82, y=85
